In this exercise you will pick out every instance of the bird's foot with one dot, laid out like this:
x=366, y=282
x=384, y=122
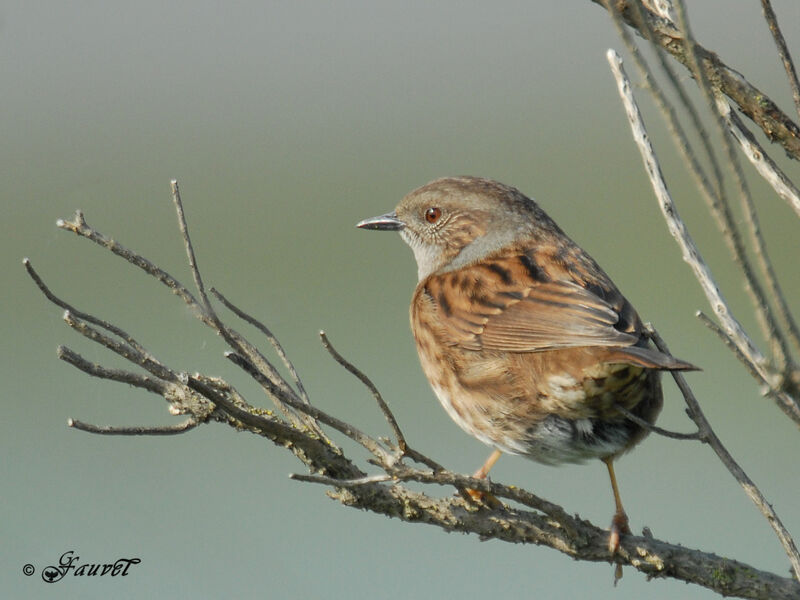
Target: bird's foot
x=485, y=498
x=619, y=526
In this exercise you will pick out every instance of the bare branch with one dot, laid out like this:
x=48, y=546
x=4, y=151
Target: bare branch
x=703, y=274
x=783, y=51
x=79, y=227
x=345, y=483
x=773, y=334
x=750, y=100
x=350, y=368
x=157, y=386
x=750, y=488
x=187, y=241
x=652, y=557
x=81, y=315
x=123, y=349
x=350, y=431
x=717, y=199
x=689, y=249
x=755, y=153
x=181, y=427
x=783, y=187
x=675, y=435
x=270, y=337
x=711, y=195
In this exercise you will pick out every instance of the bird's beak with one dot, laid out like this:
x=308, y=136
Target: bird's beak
x=387, y=222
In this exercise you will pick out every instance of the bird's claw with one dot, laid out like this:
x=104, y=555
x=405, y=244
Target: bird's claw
x=485, y=498
x=619, y=526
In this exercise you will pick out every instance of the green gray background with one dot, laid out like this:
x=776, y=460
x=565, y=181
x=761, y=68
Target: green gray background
x=285, y=124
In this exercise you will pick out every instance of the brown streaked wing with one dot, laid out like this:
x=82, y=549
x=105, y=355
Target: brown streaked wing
x=499, y=305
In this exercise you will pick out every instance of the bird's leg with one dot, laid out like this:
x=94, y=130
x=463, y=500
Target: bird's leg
x=481, y=473
x=619, y=523
x=487, y=466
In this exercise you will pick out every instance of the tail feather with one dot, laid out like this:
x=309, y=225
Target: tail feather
x=649, y=358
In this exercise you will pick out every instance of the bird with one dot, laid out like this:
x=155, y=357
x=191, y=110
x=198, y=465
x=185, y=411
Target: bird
x=527, y=343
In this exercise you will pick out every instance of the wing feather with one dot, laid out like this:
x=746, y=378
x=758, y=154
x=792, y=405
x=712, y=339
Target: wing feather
x=499, y=305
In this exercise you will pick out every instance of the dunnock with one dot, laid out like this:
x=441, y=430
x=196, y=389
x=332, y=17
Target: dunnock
x=527, y=343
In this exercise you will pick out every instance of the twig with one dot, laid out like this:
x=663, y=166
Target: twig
x=763, y=309
x=731, y=345
x=350, y=431
x=345, y=483
x=783, y=51
x=755, y=153
x=717, y=199
x=181, y=427
x=79, y=227
x=350, y=368
x=774, y=334
x=81, y=315
x=783, y=187
x=750, y=100
x=675, y=435
x=231, y=337
x=187, y=241
x=270, y=337
x=750, y=488
x=123, y=349
x=689, y=249
x=157, y=386
x=712, y=195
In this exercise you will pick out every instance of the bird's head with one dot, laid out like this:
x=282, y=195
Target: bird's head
x=455, y=221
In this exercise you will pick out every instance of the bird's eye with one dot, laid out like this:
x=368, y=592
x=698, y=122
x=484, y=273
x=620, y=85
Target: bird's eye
x=432, y=214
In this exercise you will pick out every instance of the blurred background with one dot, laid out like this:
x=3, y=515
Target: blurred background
x=285, y=124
